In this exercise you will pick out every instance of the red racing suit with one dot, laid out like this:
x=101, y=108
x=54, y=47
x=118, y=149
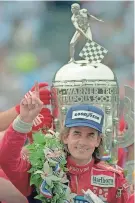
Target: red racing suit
x=131, y=199
x=105, y=181
x=122, y=155
x=3, y=175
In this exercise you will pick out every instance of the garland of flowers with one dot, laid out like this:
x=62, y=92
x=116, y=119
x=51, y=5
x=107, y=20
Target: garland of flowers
x=48, y=171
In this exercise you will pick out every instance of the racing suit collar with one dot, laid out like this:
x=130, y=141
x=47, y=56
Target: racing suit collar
x=76, y=169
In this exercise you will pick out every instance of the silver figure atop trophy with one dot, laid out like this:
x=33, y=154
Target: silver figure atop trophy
x=81, y=21
x=88, y=81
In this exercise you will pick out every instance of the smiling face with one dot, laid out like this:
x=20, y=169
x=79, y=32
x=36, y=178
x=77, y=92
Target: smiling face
x=81, y=142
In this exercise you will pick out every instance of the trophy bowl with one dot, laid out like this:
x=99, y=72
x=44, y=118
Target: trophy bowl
x=82, y=82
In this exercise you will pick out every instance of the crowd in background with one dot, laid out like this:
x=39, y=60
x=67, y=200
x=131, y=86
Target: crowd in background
x=35, y=37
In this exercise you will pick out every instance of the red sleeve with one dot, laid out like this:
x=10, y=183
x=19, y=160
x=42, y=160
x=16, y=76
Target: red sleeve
x=14, y=166
x=131, y=199
x=3, y=175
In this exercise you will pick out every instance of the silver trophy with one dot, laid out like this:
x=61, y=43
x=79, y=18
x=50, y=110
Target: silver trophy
x=88, y=81
x=84, y=83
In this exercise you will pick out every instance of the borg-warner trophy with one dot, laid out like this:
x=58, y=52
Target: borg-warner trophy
x=89, y=81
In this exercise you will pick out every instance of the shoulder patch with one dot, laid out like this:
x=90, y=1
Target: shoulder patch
x=113, y=168
x=125, y=187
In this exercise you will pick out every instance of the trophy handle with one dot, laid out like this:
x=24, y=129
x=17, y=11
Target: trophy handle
x=127, y=138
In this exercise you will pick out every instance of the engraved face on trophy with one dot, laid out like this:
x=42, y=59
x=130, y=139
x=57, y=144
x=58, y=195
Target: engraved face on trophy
x=75, y=8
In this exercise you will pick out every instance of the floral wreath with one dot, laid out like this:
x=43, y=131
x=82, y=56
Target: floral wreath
x=48, y=169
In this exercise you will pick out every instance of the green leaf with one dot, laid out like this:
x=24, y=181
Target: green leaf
x=55, y=178
x=36, y=179
x=32, y=182
x=30, y=147
x=47, y=168
x=38, y=172
x=52, y=162
x=49, y=181
x=31, y=170
x=63, y=162
x=39, y=138
x=38, y=197
x=36, y=158
x=41, y=197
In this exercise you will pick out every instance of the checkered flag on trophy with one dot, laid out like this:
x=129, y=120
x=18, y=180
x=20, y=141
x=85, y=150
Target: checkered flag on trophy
x=93, y=52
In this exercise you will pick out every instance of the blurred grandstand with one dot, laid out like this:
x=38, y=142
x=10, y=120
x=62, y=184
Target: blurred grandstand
x=35, y=36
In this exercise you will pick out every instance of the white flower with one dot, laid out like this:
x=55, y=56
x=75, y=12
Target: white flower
x=47, y=171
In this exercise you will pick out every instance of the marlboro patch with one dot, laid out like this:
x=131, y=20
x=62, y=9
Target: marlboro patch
x=102, y=179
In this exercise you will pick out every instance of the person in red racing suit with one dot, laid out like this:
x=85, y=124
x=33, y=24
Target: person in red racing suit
x=83, y=138
x=43, y=120
x=122, y=152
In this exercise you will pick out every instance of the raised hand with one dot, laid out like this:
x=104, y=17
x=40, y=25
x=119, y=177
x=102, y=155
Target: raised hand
x=31, y=106
x=44, y=93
